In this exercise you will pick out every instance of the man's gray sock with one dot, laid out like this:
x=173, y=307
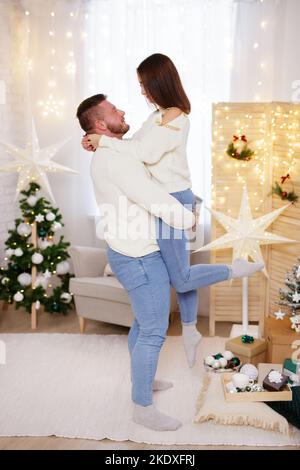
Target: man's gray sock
x=151, y=418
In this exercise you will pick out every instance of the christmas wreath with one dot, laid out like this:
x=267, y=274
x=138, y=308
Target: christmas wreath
x=239, y=149
x=284, y=195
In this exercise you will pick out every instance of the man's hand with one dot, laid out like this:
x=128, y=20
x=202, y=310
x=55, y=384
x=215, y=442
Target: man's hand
x=90, y=142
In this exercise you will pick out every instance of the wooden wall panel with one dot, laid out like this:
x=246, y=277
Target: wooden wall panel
x=273, y=131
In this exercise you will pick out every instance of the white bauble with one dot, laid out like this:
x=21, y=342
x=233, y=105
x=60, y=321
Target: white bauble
x=18, y=297
x=37, y=258
x=228, y=355
x=63, y=267
x=19, y=252
x=250, y=370
x=216, y=364
x=5, y=280
x=223, y=362
x=32, y=200
x=66, y=297
x=41, y=281
x=50, y=216
x=9, y=252
x=37, y=304
x=56, y=226
x=24, y=230
x=24, y=279
x=209, y=360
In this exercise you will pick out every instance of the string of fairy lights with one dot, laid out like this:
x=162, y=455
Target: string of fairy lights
x=276, y=136
x=53, y=104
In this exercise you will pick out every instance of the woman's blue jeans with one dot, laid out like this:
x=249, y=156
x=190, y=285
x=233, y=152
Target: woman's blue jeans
x=186, y=279
x=147, y=282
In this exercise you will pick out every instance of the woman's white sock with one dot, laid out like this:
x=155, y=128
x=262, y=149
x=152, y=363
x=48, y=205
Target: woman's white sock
x=242, y=268
x=191, y=339
x=150, y=417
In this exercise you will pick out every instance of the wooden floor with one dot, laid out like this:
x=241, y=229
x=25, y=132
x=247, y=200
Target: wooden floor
x=19, y=322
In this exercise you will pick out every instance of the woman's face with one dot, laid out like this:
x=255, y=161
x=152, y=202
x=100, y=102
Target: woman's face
x=143, y=91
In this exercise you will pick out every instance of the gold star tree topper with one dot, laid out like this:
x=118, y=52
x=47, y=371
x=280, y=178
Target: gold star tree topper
x=33, y=163
x=245, y=234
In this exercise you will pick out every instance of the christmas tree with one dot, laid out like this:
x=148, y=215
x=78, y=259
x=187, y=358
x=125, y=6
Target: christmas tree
x=290, y=296
x=33, y=257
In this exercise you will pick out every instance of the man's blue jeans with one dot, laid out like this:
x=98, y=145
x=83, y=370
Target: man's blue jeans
x=186, y=279
x=147, y=282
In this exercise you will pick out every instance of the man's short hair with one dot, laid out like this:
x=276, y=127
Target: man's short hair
x=88, y=112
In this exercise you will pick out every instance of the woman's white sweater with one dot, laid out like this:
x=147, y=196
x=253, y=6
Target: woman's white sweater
x=161, y=147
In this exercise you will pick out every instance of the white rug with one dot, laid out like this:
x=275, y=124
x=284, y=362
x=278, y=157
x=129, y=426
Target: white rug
x=72, y=385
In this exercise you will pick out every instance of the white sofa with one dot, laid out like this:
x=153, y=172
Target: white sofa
x=98, y=297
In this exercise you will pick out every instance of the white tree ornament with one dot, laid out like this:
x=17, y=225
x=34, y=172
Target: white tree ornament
x=24, y=279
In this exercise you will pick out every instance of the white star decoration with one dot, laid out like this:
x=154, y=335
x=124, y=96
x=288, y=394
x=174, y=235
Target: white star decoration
x=33, y=163
x=39, y=218
x=279, y=315
x=47, y=274
x=245, y=234
x=296, y=297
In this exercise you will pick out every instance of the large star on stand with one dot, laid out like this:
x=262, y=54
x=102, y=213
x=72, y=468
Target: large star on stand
x=33, y=163
x=245, y=234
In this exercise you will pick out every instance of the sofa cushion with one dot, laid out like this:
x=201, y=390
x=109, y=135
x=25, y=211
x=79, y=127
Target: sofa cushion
x=107, y=288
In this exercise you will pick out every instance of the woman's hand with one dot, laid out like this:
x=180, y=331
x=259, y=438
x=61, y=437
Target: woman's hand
x=197, y=218
x=90, y=142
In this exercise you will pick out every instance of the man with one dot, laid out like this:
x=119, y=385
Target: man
x=130, y=201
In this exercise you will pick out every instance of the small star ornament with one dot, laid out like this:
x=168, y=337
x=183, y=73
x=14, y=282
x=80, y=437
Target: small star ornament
x=33, y=163
x=296, y=297
x=47, y=274
x=279, y=315
x=245, y=234
x=39, y=218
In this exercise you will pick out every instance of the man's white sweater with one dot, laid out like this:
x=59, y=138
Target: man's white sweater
x=161, y=147
x=129, y=200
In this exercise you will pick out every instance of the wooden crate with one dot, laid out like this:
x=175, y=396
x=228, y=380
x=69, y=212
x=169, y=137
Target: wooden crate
x=278, y=125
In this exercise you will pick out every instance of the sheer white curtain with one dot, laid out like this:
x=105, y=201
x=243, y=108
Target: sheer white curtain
x=197, y=35
x=48, y=70
x=265, y=56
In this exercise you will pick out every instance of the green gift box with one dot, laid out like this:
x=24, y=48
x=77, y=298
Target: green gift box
x=291, y=367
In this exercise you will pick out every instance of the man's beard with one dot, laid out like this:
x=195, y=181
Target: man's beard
x=120, y=129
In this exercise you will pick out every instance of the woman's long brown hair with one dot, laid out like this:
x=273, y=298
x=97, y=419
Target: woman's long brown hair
x=162, y=83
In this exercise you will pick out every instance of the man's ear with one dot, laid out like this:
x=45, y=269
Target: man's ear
x=100, y=125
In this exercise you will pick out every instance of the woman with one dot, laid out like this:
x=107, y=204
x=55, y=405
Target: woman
x=165, y=157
